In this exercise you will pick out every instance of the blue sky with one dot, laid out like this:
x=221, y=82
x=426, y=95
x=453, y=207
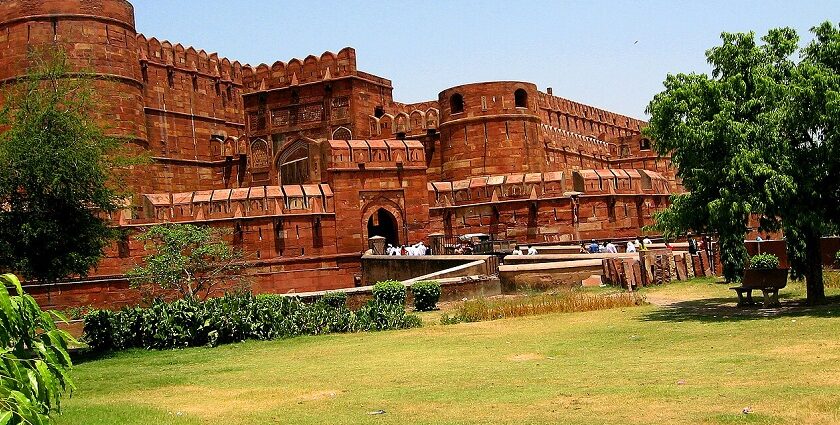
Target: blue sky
x=585, y=50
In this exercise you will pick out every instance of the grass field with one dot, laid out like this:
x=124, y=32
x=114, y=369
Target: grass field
x=693, y=358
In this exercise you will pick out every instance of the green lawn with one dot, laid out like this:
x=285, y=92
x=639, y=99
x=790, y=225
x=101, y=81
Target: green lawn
x=698, y=359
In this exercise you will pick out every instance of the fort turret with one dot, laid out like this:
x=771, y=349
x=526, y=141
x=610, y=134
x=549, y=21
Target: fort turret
x=98, y=37
x=489, y=129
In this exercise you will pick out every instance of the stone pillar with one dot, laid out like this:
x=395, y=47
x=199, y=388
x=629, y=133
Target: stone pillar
x=436, y=243
x=377, y=245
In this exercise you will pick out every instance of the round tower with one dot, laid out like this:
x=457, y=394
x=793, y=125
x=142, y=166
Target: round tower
x=490, y=129
x=98, y=37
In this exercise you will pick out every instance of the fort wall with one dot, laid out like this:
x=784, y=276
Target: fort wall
x=302, y=161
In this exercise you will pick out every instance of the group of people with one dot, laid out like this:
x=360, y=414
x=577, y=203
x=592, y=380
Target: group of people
x=530, y=250
x=417, y=249
x=610, y=248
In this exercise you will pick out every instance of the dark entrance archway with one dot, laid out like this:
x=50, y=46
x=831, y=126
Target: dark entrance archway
x=383, y=223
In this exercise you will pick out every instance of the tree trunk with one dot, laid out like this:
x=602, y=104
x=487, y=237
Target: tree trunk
x=813, y=272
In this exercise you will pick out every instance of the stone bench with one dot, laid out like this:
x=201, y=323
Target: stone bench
x=767, y=281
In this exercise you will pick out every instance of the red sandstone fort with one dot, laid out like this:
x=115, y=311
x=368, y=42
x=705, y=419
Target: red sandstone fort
x=305, y=160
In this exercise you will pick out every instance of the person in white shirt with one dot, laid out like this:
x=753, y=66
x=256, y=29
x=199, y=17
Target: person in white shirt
x=646, y=241
x=631, y=247
x=611, y=248
x=532, y=250
x=517, y=251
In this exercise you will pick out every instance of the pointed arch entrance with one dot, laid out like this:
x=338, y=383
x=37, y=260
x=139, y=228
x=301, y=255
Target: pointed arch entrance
x=292, y=164
x=383, y=223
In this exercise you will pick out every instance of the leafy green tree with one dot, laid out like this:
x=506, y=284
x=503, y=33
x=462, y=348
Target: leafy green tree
x=58, y=179
x=34, y=363
x=757, y=137
x=192, y=260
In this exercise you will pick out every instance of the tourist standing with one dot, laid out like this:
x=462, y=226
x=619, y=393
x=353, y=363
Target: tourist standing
x=611, y=249
x=594, y=248
x=692, y=246
x=532, y=250
x=517, y=251
x=631, y=247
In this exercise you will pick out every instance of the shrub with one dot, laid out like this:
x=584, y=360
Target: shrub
x=426, y=295
x=34, y=363
x=335, y=299
x=764, y=262
x=235, y=317
x=389, y=292
x=377, y=316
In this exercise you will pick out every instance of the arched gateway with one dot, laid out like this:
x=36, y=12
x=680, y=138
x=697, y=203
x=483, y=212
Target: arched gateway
x=383, y=223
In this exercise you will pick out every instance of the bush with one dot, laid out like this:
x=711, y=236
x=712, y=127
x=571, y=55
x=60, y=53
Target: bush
x=764, y=262
x=335, y=299
x=34, y=363
x=389, y=292
x=235, y=317
x=426, y=295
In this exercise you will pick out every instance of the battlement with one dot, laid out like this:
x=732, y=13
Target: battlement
x=246, y=202
x=189, y=60
x=311, y=69
x=376, y=154
x=590, y=113
x=562, y=138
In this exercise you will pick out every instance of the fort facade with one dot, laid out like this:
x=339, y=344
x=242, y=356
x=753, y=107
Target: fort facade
x=305, y=160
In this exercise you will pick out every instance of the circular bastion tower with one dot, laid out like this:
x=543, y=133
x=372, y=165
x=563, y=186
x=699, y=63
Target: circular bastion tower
x=489, y=129
x=98, y=37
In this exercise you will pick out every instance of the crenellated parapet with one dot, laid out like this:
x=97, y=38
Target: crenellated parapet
x=246, y=202
x=563, y=139
x=312, y=69
x=584, y=119
x=347, y=155
x=189, y=60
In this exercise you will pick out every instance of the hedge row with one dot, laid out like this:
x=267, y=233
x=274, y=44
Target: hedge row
x=236, y=317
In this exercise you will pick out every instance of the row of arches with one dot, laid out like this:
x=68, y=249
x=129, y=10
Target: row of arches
x=417, y=121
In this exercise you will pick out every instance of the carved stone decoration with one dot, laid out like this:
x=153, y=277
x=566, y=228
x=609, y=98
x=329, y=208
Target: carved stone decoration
x=259, y=155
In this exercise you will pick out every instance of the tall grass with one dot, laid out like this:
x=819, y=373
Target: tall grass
x=564, y=302
x=831, y=278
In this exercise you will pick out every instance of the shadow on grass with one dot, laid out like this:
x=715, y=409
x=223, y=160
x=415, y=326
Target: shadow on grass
x=725, y=310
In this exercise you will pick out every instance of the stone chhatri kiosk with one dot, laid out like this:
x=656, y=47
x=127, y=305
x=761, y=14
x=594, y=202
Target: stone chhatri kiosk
x=305, y=160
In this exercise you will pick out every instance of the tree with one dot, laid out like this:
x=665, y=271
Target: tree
x=34, y=363
x=190, y=259
x=755, y=139
x=58, y=178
